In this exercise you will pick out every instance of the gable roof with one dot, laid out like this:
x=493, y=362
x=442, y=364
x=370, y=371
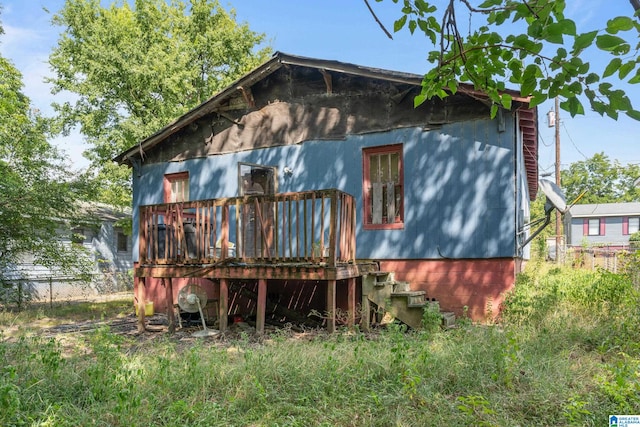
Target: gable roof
x=605, y=209
x=527, y=117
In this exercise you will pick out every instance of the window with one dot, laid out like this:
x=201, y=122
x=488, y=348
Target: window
x=122, y=242
x=256, y=179
x=176, y=187
x=630, y=225
x=77, y=236
x=594, y=227
x=383, y=187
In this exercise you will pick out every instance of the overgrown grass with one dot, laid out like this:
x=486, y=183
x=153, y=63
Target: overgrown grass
x=42, y=315
x=566, y=352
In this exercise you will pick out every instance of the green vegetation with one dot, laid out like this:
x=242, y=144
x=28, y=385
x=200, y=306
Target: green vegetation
x=530, y=44
x=600, y=180
x=136, y=66
x=566, y=352
x=41, y=315
x=37, y=193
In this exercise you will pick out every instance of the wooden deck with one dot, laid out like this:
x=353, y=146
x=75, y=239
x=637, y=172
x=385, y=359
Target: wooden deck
x=292, y=236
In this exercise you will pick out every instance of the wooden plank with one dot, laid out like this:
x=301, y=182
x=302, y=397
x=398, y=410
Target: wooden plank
x=331, y=306
x=261, y=306
x=275, y=231
x=322, y=227
x=238, y=225
x=313, y=227
x=141, y=305
x=354, y=220
x=376, y=203
x=365, y=320
x=332, y=230
x=171, y=314
x=214, y=226
x=142, y=234
x=298, y=228
x=304, y=225
x=198, y=235
x=351, y=302
x=223, y=308
x=290, y=245
x=391, y=203
x=224, y=232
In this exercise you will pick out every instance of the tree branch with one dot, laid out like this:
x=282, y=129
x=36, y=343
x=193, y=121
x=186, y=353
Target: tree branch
x=377, y=20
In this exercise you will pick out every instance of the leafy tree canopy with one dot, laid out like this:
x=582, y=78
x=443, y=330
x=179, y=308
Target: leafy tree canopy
x=529, y=44
x=136, y=66
x=601, y=180
x=36, y=193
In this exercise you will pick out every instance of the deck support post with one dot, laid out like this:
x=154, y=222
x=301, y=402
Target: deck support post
x=331, y=306
x=261, y=306
x=351, y=302
x=365, y=319
x=141, y=305
x=171, y=313
x=223, y=310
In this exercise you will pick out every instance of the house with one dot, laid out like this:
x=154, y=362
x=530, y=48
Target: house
x=311, y=184
x=602, y=225
x=107, y=245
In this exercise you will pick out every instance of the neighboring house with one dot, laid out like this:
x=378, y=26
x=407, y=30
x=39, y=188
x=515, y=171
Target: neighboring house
x=319, y=181
x=107, y=245
x=602, y=225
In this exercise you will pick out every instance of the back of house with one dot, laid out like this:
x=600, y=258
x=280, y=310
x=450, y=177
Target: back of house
x=441, y=191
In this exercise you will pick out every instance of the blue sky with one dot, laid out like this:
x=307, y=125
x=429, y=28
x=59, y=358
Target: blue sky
x=342, y=30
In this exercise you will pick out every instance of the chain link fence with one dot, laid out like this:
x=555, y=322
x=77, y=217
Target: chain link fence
x=616, y=260
x=23, y=293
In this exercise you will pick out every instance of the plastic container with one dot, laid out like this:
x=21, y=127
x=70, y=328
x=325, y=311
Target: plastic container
x=148, y=308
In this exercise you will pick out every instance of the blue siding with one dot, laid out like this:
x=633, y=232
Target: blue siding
x=460, y=196
x=613, y=233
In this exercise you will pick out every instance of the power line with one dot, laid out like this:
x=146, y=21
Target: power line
x=573, y=143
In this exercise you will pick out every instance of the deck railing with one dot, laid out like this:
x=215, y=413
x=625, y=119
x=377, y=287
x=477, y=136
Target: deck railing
x=310, y=227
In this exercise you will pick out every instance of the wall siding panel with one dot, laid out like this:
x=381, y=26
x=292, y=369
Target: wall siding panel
x=459, y=192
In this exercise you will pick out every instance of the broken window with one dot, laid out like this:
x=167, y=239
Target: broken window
x=383, y=187
x=256, y=179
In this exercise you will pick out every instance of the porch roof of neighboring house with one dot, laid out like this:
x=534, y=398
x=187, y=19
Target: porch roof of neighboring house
x=527, y=117
x=599, y=210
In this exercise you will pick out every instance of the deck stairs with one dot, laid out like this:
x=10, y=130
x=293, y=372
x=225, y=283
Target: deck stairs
x=395, y=299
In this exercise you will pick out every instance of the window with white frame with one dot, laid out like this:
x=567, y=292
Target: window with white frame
x=594, y=227
x=634, y=225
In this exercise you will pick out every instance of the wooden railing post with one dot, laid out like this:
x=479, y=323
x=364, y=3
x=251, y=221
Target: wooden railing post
x=282, y=229
x=142, y=234
x=224, y=232
x=333, y=218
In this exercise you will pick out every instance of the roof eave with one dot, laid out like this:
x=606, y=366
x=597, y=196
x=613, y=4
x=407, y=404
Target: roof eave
x=277, y=61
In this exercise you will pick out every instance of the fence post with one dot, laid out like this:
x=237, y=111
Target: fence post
x=50, y=292
x=19, y=294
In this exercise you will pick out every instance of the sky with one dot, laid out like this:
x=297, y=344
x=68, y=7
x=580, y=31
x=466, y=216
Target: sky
x=341, y=30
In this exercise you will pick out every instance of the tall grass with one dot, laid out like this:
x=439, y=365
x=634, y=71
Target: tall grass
x=565, y=352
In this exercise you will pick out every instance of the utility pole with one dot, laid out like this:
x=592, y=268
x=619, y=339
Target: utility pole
x=558, y=221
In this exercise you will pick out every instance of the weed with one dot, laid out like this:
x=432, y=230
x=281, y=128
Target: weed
x=431, y=318
x=551, y=360
x=477, y=409
x=575, y=412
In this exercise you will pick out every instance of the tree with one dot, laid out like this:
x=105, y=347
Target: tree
x=36, y=193
x=601, y=180
x=543, y=53
x=135, y=68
